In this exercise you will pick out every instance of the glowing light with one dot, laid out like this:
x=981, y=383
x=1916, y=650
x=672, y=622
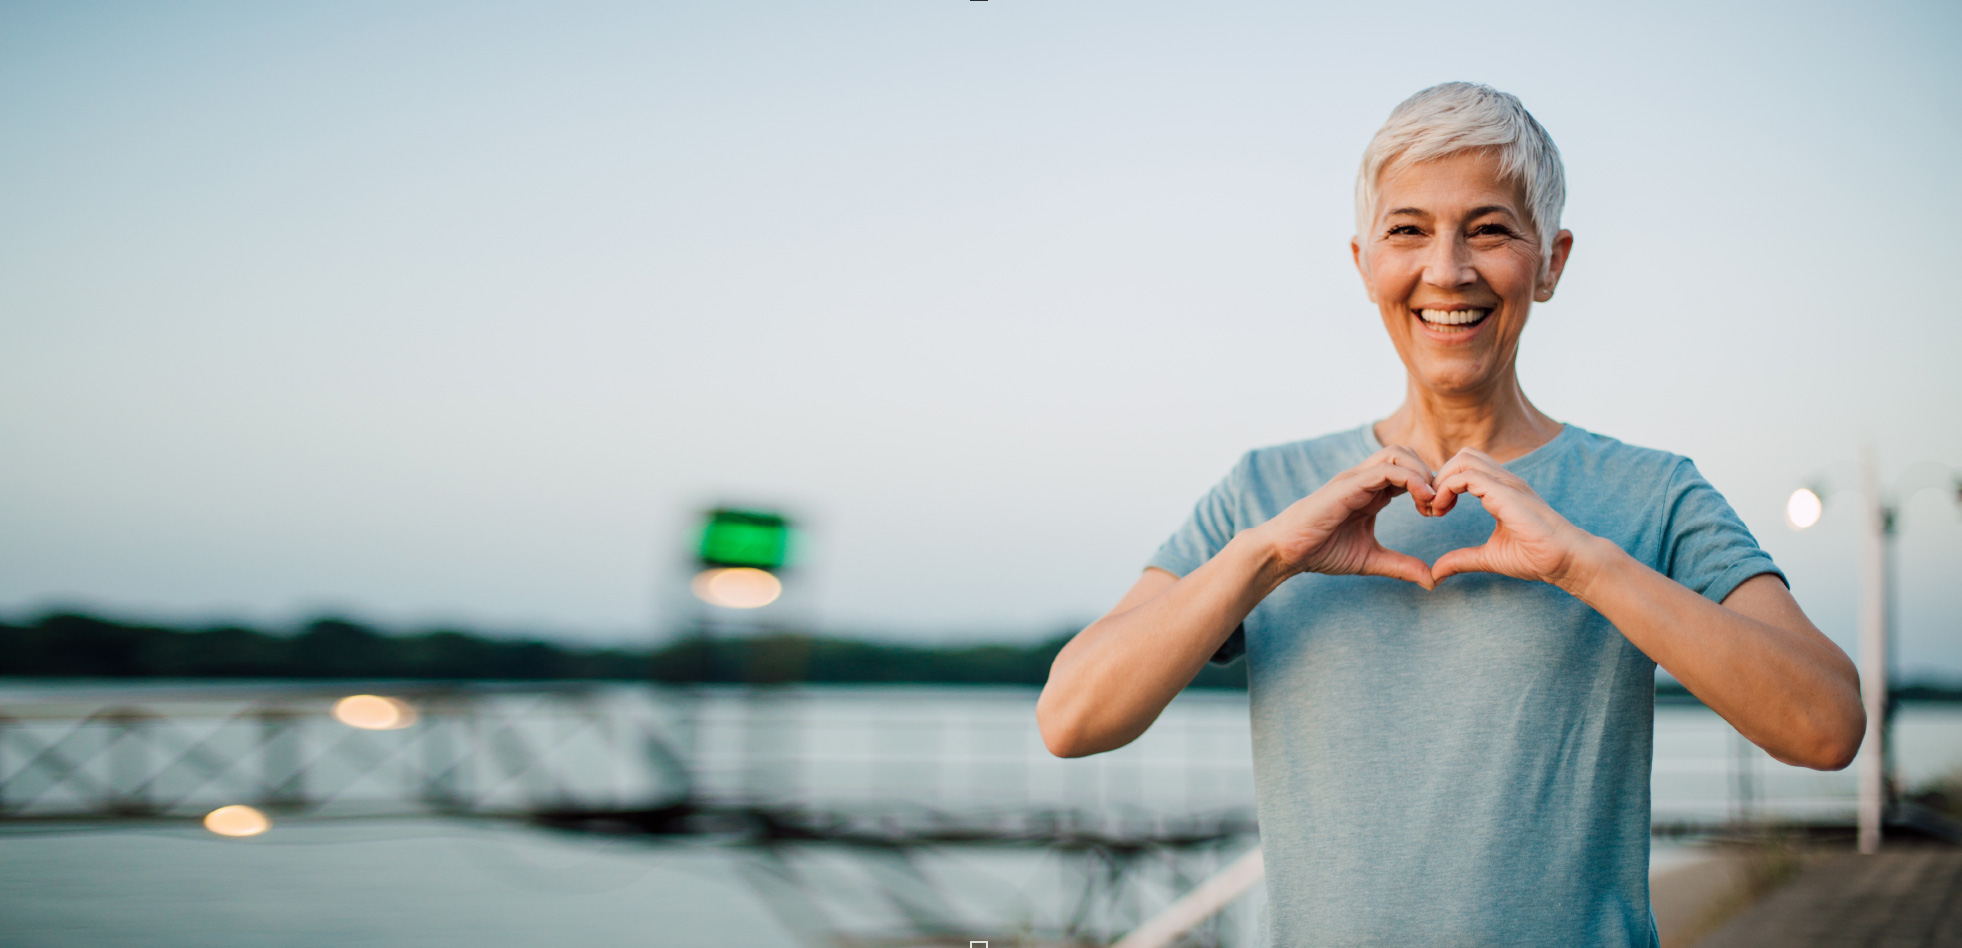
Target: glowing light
x=755, y=538
x=236, y=820
x=374, y=713
x=1803, y=509
x=737, y=587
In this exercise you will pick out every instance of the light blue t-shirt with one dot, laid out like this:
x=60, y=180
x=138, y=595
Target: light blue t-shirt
x=1467, y=766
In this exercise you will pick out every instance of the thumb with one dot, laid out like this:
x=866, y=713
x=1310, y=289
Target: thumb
x=1469, y=559
x=1402, y=566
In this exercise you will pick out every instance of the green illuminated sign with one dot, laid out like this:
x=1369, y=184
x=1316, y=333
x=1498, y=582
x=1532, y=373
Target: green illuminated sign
x=755, y=538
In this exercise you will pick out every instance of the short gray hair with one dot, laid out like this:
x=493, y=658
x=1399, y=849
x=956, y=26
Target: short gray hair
x=1454, y=117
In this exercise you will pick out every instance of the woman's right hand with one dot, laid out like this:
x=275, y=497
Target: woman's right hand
x=1333, y=530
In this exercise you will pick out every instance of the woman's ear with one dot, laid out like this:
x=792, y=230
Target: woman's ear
x=1556, y=264
x=1362, y=267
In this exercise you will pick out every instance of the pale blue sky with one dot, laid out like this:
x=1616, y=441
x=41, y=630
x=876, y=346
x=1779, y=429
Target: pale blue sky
x=457, y=313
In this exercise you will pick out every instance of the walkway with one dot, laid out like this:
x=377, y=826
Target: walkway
x=1904, y=898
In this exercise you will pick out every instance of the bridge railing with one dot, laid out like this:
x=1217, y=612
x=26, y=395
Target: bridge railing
x=167, y=752
x=969, y=754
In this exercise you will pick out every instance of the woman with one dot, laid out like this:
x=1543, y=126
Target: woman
x=1452, y=696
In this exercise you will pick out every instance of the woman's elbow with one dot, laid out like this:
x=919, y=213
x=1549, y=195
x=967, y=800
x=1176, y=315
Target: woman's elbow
x=1064, y=742
x=1833, y=745
x=1062, y=730
x=1842, y=743
x=1839, y=751
x=1837, y=755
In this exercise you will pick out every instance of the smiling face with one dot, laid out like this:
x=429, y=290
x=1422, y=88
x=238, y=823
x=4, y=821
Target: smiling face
x=1453, y=264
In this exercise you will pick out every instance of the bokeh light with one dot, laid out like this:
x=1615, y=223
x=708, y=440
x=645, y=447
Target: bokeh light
x=737, y=587
x=236, y=820
x=1804, y=508
x=374, y=713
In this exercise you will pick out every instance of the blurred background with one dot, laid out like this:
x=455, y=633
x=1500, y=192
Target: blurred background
x=356, y=347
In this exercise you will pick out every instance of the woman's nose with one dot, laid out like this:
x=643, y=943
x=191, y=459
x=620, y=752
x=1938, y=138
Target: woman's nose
x=1449, y=263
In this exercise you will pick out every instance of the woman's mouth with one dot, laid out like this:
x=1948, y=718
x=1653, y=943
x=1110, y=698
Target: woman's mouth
x=1452, y=320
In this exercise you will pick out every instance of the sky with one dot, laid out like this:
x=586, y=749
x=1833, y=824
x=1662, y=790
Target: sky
x=462, y=313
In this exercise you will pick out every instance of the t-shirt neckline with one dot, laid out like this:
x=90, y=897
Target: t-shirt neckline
x=1553, y=445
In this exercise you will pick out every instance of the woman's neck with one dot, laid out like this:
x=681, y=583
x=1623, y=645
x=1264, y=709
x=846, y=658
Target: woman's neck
x=1499, y=422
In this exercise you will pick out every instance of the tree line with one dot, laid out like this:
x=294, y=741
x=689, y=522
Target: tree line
x=77, y=645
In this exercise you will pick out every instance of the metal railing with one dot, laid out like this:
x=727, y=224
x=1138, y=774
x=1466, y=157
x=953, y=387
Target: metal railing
x=182, y=752
x=516, y=750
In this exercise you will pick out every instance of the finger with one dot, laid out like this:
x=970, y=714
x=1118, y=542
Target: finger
x=1487, y=485
x=1450, y=472
x=1472, y=459
x=1471, y=481
x=1459, y=463
x=1396, y=565
x=1448, y=485
x=1406, y=456
x=1385, y=475
x=1444, y=499
x=1508, y=501
x=1403, y=455
x=1471, y=559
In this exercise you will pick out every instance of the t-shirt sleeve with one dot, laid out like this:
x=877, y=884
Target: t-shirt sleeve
x=1705, y=546
x=1201, y=538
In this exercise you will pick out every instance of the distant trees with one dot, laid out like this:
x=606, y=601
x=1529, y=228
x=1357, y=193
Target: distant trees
x=73, y=645
x=787, y=658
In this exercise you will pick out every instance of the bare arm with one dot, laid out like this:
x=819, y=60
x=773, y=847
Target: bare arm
x=1112, y=680
x=1756, y=659
x=1115, y=677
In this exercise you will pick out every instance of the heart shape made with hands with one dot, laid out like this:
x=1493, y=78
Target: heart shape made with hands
x=1529, y=539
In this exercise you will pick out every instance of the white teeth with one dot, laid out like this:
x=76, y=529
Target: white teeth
x=1452, y=317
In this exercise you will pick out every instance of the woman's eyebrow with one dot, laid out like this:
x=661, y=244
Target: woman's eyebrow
x=1479, y=211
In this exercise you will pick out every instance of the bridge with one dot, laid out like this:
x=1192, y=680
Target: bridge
x=790, y=780
x=784, y=781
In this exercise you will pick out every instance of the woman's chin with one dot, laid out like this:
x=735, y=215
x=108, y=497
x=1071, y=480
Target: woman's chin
x=1460, y=376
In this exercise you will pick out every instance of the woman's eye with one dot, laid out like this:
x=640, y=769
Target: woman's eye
x=1404, y=230
x=1491, y=230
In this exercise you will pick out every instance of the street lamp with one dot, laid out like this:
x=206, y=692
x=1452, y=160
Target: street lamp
x=740, y=553
x=739, y=559
x=1880, y=514
x=1804, y=509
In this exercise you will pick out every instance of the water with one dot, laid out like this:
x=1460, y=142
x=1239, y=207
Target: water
x=344, y=876
x=436, y=883
x=407, y=882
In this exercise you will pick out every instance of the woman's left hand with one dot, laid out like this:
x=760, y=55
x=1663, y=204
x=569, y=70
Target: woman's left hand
x=1530, y=540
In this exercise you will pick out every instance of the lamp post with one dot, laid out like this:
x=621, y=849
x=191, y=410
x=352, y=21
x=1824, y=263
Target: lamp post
x=739, y=555
x=1879, y=516
x=741, y=552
